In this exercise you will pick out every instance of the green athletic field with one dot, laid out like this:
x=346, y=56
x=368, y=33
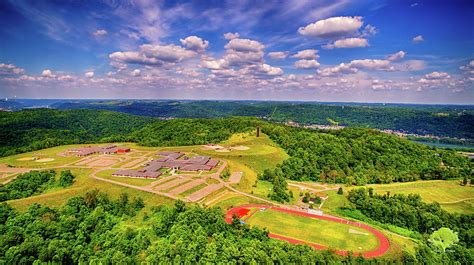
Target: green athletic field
x=322, y=232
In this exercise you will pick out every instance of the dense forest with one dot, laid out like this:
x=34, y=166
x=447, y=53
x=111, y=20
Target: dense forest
x=33, y=183
x=96, y=229
x=445, y=121
x=192, y=131
x=361, y=156
x=409, y=211
x=30, y=130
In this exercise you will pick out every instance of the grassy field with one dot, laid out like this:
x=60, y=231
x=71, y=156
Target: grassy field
x=449, y=193
x=262, y=153
x=326, y=233
x=83, y=184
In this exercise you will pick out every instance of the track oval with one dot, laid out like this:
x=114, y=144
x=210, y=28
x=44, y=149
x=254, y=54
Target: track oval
x=244, y=212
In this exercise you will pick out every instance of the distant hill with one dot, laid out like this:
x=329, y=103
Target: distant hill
x=440, y=120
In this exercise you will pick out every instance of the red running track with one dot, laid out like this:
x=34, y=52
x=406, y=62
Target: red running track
x=243, y=210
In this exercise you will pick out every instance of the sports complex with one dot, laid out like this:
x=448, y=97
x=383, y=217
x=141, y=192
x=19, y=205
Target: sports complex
x=318, y=231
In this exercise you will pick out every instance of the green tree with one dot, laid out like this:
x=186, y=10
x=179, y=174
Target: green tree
x=442, y=239
x=66, y=179
x=340, y=191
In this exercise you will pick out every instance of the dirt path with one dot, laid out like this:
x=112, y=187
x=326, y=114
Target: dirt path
x=453, y=202
x=384, y=243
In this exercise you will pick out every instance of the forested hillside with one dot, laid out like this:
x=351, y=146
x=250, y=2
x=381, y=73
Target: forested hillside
x=446, y=121
x=30, y=130
x=192, y=131
x=96, y=229
x=361, y=156
x=353, y=156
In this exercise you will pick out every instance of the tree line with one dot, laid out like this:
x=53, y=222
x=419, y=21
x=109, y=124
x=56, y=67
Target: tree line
x=33, y=183
x=360, y=156
x=97, y=229
x=446, y=121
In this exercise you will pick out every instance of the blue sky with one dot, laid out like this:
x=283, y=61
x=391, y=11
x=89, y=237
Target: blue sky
x=366, y=51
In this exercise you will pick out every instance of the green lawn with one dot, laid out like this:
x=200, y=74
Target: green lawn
x=83, y=184
x=330, y=234
x=452, y=196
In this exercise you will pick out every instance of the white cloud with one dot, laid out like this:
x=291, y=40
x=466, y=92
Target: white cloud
x=414, y=5
x=469, y=68
x=332, y=27
x=244, y=45
x=396, y=56
x=234, y=58
x=278, y=55
x=369, y=30
x=89, y=74
x=372, y=64
x=211, y=63
x=266, y=69
x=136, y=72
x=418, y=39
x=65, y=78
x=308, y=54
x=195, y=43
x=153, y=55
x=348, y=43
x=47, y=74
x=100, y=33
x=437, y=75
x=10, y=69
x=307, y=64
x=231, y=36
x=337, y=70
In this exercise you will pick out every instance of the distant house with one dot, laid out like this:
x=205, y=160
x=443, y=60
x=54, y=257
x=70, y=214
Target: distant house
x=171, y=160
x=108, y=149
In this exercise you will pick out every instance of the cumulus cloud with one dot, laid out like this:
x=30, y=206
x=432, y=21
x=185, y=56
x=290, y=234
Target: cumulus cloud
x=437, y=75
x=195, y=43
x=244, y=45
x=240, y=52
x=348, y=43
x=308, y=54
x=396, y=56
x=231, y=36
x=342, y=68
x=211, y=63
x=372, y=64
x=469, y=68
x=100, y=33
x=266, y=70
x=235, y=58
x=332, y=27
x=278, y=55
x=65, y=78
x=89, y=74
x=136, y=72
x=47, y=74
x=10, y=69
x=307, y=64
x=418, y=39
x=153, y=55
